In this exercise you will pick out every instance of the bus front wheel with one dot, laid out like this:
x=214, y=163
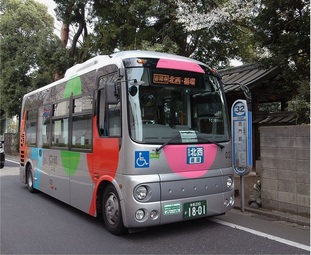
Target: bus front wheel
x=30, y=187
x=112, y=211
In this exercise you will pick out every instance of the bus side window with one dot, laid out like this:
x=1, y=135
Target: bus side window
x=114, y=119
x=109, y=117
x=82, y=123
x=44, y=126
x=60, y=122
x=31, y=127
x=102, y=125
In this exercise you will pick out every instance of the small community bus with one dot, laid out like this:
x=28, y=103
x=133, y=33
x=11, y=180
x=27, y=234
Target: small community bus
x=139, y=138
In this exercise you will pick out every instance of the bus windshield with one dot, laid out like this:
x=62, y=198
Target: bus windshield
x=175, y=106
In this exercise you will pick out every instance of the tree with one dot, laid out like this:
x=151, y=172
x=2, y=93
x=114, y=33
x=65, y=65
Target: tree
x=153, y=25
x=146, y=25
x=272, y=33
x=137, y=24
x=283, y=38
x=73, y=13
x=224, y=26
x=197, y=15
x=27, y=51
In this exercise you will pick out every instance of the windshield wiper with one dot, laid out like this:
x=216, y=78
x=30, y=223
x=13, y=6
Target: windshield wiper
x=200, y=137
x=212, y=142
x=166, y=143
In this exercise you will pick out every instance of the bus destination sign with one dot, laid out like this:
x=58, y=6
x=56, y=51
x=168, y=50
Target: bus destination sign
x=173, y=80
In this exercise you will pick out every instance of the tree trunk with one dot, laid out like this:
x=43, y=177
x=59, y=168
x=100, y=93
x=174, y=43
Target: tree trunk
x=64, y=36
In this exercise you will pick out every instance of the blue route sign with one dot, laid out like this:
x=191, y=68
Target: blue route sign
x=241, y=127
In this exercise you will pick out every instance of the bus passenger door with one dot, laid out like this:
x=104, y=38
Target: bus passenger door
x=103, y=162
x=109, y=132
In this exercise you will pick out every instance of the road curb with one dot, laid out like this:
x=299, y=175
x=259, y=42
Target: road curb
x=281, y=216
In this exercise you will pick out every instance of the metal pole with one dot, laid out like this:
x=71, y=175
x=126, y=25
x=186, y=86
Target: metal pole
x=242, y=192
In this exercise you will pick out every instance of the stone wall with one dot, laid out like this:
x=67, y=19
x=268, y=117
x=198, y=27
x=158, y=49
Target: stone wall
x=284, y=168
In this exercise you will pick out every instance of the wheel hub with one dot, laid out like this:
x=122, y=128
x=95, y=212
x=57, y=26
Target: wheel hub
x=112, y=209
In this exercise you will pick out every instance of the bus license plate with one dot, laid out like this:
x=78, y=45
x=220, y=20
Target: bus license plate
x=195, y=209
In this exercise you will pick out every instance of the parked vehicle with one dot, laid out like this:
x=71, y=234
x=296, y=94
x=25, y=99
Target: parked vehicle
x=2, y=154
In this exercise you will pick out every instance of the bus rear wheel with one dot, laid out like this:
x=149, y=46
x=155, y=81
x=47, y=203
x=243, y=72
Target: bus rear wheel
x=112, y=214
x=30, y=187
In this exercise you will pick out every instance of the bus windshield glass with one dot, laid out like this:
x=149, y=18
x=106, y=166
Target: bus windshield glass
x=175, y=106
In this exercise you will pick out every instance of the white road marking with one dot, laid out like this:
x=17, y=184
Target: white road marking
x=258, y=233
x=12, y=161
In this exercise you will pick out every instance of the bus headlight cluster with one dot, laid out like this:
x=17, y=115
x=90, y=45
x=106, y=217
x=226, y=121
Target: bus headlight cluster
x=229, y=202
x=143, y=214
x=142, y=193
x=229, y=182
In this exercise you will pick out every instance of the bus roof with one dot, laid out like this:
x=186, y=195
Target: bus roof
x=97, y=60
x=153, y=54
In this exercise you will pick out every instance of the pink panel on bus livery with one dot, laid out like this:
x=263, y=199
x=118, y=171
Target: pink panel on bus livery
x=177, y=160
x=179, y=65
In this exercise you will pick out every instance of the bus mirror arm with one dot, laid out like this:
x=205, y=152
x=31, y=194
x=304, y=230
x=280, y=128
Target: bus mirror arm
x=134, y=82
x=117, y=89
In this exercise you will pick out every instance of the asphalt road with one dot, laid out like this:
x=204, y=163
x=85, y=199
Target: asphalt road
x=39, y=224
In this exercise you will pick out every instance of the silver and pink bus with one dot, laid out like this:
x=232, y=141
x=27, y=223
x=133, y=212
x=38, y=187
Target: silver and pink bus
x=138, y=138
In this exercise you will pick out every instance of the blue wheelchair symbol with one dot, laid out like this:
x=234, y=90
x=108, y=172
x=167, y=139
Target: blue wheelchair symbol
x=142, y=159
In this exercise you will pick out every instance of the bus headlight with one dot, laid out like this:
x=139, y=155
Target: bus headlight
x=229, y=182
x=154, y=214
x=140, y=192
x=231, y=201
x=140, y=214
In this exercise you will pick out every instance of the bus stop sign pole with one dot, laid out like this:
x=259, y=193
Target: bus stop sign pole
x=241, y=128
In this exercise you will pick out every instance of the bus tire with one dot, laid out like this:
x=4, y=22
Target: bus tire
x=30, y=187
x=112, y=214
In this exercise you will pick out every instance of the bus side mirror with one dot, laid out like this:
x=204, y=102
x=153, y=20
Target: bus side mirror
x=134, y=86
x=133, y=90
x=112, y=93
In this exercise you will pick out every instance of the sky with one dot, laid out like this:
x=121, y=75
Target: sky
x=51, y=6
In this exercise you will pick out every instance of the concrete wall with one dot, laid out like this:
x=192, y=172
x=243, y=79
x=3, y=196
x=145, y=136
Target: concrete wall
x=284, y=168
